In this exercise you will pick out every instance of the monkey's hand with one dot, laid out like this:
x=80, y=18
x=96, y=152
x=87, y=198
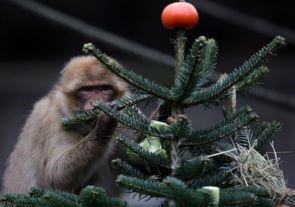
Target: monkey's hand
x=77, y=161
x=92, y=125
x=105, y=124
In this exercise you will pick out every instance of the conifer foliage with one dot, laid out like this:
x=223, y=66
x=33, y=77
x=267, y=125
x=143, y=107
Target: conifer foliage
x=170, y=159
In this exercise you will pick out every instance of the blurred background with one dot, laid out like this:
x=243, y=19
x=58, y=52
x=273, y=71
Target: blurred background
x=36, y=40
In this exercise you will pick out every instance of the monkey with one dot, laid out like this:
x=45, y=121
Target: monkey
x=49, y=156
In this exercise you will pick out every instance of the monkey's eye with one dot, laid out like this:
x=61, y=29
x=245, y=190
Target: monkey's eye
x=106, y=88
x=84, y=91
x=86, y=88
x=103, y=92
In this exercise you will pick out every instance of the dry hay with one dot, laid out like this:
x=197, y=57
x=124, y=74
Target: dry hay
x=251, y=168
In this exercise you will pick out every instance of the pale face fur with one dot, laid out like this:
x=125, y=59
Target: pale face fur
x=49, y=156
x=87, y=71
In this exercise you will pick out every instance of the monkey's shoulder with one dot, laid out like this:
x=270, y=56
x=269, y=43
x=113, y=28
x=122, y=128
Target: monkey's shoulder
x=41, y=121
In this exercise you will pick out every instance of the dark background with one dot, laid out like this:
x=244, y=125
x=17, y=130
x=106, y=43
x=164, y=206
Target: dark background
x=34, y=50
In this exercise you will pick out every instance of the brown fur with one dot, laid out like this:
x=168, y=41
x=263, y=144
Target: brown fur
x=48, y=156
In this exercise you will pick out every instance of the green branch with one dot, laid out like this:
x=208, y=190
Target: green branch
x=127, y=169
x=132, y=99
x=252, y=78
x=129, y=76
x=170, y=188
x=193, y=168
x=81, y=117
x=266, y=133
x=210, y=179
x=215, y=90
x=205, y=65
x=223, y=129
x=184, y=75
x=126, y=101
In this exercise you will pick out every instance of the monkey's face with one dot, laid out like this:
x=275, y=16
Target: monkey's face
x=85, y=80
x=87, y=95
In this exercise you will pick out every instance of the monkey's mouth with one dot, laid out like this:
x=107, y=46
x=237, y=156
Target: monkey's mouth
x=90, y=105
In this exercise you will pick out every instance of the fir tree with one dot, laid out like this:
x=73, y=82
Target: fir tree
x=222, y=165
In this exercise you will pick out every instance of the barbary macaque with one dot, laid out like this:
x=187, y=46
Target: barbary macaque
x=49, y=156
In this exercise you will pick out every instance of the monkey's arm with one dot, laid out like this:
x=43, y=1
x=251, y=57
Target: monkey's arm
x=72, y=167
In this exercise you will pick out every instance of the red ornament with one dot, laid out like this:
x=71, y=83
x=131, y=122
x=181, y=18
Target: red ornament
x=180, y=15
